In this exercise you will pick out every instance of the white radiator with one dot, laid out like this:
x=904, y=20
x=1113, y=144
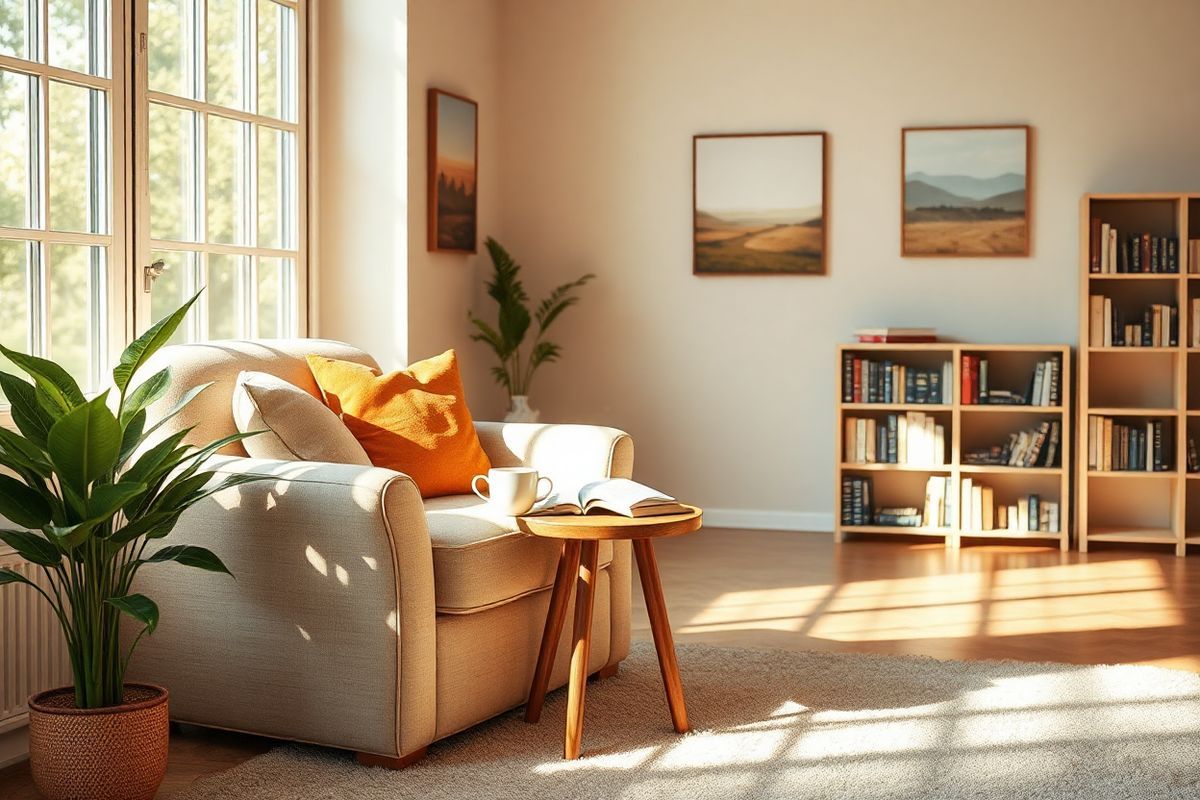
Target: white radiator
x=33, y=655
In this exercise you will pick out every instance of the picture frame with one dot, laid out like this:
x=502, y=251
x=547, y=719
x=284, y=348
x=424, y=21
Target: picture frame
x=760, y=203
x=453, y=173
x=966, y=191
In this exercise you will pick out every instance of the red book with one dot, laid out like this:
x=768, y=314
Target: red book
x=970, y=380
x=1095, y=245
x=858, y=380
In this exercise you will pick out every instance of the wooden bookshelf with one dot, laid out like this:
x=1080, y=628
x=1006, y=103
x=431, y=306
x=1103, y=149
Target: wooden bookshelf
x=967, y=426
x=1138, y=384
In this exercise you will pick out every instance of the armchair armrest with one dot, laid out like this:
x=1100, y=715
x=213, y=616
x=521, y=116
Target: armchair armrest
x=570, y=453
x=327, y=635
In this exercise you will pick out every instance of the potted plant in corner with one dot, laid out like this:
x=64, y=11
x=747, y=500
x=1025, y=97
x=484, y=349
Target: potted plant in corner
x=515, y=372
x=92, y=498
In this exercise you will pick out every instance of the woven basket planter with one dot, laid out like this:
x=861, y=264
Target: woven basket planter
x=114, y=753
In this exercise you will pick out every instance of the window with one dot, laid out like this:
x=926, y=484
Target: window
x=60, y=273
x=224, y=164
x=211, y=184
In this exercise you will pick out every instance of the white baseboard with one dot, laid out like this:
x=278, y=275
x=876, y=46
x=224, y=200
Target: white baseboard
x=14, y=746
x=757, y=519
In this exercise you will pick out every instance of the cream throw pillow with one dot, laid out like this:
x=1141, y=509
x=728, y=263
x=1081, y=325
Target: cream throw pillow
x=296, y=426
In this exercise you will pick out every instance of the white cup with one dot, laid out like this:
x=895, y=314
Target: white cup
x=512, y=490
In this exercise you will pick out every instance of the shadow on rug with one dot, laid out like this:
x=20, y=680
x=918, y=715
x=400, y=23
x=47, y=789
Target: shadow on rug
x=778, y=724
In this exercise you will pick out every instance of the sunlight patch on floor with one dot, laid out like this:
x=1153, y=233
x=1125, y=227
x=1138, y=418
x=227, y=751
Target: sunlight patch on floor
x=1059, y=598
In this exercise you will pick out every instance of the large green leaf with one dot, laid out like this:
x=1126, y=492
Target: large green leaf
x=9, y=576
x=161, y=458
x=108, y=499
x=21, y=504
x=58, y=387
x=187, y=398
x=30, y=418
x=138, y=606
x=84, y=444
x=24, y=452
x=32, y=547
x=149, y=343
x=132, y=436
x=69, y=537
x=154, y=525
x=189, y=556
x=146, y=393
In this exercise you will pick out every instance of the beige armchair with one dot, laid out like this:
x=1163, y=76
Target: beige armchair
x=362, y=617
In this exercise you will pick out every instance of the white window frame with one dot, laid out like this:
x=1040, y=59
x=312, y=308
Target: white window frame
x=112, y=322
x=144, y=245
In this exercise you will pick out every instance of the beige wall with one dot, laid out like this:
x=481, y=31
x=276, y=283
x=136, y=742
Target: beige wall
x=727, y=384
x=379, y=288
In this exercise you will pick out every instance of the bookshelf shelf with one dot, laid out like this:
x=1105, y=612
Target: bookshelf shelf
x=964, y=427
x=1130, y=473
x=896, y=407
x=1144, y=384
x=911, y=531
x=1133, y=349
x=1010, y=409
x=1000, y=469
x=852, y=466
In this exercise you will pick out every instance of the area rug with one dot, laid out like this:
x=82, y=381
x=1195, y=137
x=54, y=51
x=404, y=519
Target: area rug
x=777, y=724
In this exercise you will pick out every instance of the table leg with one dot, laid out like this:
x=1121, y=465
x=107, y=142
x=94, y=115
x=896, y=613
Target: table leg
x=656, y=607
x=585, y=595
x=568, y=567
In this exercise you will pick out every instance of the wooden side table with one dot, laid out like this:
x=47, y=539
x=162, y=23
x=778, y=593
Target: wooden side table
x=581, y=537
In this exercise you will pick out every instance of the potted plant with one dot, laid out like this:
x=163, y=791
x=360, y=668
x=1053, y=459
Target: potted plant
x=515, y=371
x=93, y=499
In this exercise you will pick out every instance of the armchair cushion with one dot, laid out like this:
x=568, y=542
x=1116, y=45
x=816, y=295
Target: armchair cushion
x=295, y=425
x=414, y=421
x=481, y=560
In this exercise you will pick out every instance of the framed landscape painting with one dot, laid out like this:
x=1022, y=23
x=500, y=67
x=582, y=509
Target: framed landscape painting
x=759, y=204
x=966, y=191
x=453, y=133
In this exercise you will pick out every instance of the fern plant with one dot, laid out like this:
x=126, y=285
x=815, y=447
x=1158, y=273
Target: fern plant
x=90, y=494
x=514, y=320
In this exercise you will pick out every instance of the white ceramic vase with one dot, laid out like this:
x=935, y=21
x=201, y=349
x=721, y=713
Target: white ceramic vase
x=519, y=410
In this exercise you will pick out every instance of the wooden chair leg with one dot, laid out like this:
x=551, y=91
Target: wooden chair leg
x=585, y=595
x=391, y=762
x=610, y=671
x=660, y=625
x=564, y=579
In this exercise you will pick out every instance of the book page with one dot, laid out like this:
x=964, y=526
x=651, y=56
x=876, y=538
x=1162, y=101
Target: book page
x=621, y=495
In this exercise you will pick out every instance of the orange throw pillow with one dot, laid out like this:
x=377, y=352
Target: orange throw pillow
x=414, y=421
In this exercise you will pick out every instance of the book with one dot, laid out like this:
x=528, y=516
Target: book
x=896, y=335
x=616, y=495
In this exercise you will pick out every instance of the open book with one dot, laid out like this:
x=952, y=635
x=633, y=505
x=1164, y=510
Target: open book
x=618, y=495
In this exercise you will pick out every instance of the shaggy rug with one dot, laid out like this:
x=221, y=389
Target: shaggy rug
x=776, y=724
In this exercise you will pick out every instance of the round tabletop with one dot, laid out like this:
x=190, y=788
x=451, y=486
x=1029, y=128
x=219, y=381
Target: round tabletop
x=611, y=526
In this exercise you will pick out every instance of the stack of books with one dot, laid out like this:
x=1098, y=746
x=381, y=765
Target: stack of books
x=899, y=517
x=939, y=502
x=857, y=508
x=1122, y=447
x=1158, y=325
x=1036, y=447
x=1113, y=253
x=1042, y=389
x=896, y=335
x=913, y=438
x=867, y=381
x=1030, y=513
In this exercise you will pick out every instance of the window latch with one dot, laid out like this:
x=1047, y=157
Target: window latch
x=153, y=273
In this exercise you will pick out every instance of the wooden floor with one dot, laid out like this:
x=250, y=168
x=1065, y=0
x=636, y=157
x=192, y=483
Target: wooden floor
x=801, y=591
